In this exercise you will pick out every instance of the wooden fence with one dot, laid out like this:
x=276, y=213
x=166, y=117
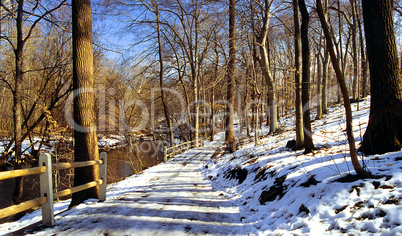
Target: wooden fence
x=182, y=147
x=46, y=185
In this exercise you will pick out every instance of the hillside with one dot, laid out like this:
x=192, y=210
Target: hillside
x=286, y=192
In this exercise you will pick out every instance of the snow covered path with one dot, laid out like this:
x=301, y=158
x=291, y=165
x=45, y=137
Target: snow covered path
x=172, y=198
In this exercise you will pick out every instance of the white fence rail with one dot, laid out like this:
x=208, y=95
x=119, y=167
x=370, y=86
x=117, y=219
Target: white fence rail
x=46, y=185
x=182, y=147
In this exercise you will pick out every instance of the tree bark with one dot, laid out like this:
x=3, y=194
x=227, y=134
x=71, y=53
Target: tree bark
x=298, y=78
x=384, y=130
x=216, y=67
x=355, y=90
x=212, y=122
x=246, y=112
x=229, y=135
x=308, y=136
x=325, y=72
x=86, y=145
x=364, y=90
x=265, y=66
x=17, y=97
x=196, y=109
x=319, y=87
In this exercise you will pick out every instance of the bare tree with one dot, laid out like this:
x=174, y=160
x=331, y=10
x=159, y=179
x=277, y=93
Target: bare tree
x=20, y=11
x=298, y=78
x=265, y=65
x=339, y=75
x=364, y=64
x=355, y=55
x=229, y=135
x=154, y=8
x=319, y=85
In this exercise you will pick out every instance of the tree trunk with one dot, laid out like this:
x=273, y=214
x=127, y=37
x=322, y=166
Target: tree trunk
x=319, y=88
x=246, y=112
x=256, y=122
x=308, y=136
x=355, y=89
x=86, y=144
x=204, y=108
x=240, y=107
x=325, y=73
x=365, y=90
x=17, y=98
x=298, y=78
x=165, y=107
x=212, y=114
x=229, y=135
x=340, y=48
x=339, y=75
x=196, y=110
x=325, y=70
x=384, y=130
x=265, y=66
x=189, y=122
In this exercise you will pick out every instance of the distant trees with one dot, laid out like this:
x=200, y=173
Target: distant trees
x=18, y=47
x=384, y=130
x=187, y=30
x=18, y=35
x=86, y=142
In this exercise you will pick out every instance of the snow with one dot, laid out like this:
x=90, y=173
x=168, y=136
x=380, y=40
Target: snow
x=258, y=190
x=110, y=141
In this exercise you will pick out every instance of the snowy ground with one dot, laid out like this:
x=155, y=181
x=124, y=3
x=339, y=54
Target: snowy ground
x=286, y=192
x=259, y=190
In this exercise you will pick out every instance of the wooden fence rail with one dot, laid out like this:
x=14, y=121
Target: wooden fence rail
x=182, y=147
x=46, y=185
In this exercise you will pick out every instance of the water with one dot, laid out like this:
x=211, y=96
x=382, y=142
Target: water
x=123, y=163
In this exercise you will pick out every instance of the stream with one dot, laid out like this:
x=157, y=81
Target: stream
x=122, y=163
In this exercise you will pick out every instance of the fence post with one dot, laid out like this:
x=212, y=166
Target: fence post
x=46, y=190
x=164, y=154
x=103, y=176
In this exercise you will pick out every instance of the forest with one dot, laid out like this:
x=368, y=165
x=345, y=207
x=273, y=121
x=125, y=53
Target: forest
x=74, y=72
